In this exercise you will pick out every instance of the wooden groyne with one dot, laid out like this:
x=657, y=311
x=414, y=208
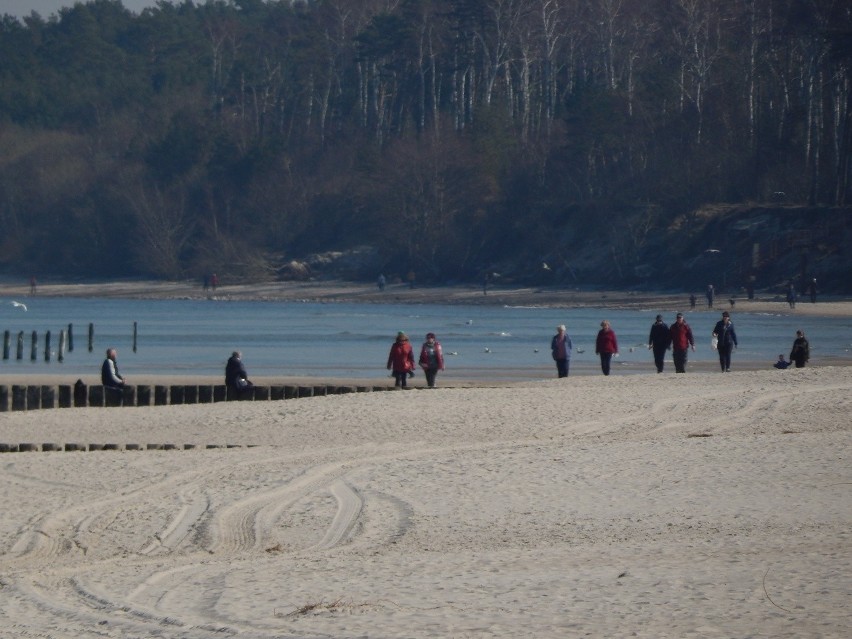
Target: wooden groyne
x=66, y=343
x=40, y=397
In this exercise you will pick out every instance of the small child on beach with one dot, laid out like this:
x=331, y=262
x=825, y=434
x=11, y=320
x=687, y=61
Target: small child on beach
x=781, y=363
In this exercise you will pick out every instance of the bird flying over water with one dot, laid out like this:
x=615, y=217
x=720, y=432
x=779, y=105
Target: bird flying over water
x=18, y=304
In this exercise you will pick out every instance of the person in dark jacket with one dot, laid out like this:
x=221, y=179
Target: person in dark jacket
x=791, y=295
x=801, y=352
x=606, y=345
x=110, y=376
x=236, y=377
x=682, y=340
x=781, y=363
x=401, y=360
x=659, y=341
x=560, y=346
x=113, y=382
x=431, y=358
x=726, y=338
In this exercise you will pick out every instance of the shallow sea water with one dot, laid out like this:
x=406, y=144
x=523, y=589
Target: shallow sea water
x=285, y=338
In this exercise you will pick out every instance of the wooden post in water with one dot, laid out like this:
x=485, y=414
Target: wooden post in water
x=47, y=346
x=60, y=354
x=34, y=346
x=7, y=344
x=19, y=354
x=70, y=337
x=134, y=337
x=91, y=336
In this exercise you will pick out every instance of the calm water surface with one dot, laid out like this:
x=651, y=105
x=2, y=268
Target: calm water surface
x=195, y=337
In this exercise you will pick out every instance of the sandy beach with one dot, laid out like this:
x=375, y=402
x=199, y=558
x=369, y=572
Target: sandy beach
x=698, y=505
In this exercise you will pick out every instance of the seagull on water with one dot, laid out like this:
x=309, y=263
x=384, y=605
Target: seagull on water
x=18, y=304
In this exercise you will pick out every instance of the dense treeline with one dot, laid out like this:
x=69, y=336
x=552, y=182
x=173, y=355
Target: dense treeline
x=453, y=136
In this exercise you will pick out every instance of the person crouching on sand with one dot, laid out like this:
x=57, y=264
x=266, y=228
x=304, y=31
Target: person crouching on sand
x=431, y=358
x=401, y=360
x=781, y=363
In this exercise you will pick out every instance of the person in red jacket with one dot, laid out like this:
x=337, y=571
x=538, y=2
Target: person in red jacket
x=606, y=345
x=681, y=341
x=431, y=358
x=401, y=360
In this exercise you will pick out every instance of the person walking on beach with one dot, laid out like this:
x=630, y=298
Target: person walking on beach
x=659, y=341
x=711, y=292
x=236, y=377
x=431, y=358
x=401, y=360
x=681, y=335
x=606, y=345
x=560, y=346
x=801, y=352
x=113, y=382
x=726, y=338
x=791, y=295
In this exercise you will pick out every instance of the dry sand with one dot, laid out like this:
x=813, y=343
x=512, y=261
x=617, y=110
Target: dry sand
x=698, y=505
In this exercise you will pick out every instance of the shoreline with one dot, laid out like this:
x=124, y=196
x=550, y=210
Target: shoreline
x=339, y=291
x=333, y=292
x=445, y=380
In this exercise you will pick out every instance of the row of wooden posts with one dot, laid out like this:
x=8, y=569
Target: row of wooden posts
x=66, y=342
x=35, y=397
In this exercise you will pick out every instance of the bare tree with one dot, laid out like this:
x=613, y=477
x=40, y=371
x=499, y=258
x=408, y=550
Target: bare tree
x=698, y=41
x=164, y=227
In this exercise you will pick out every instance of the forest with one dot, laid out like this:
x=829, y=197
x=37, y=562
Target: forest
x=563, y=141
